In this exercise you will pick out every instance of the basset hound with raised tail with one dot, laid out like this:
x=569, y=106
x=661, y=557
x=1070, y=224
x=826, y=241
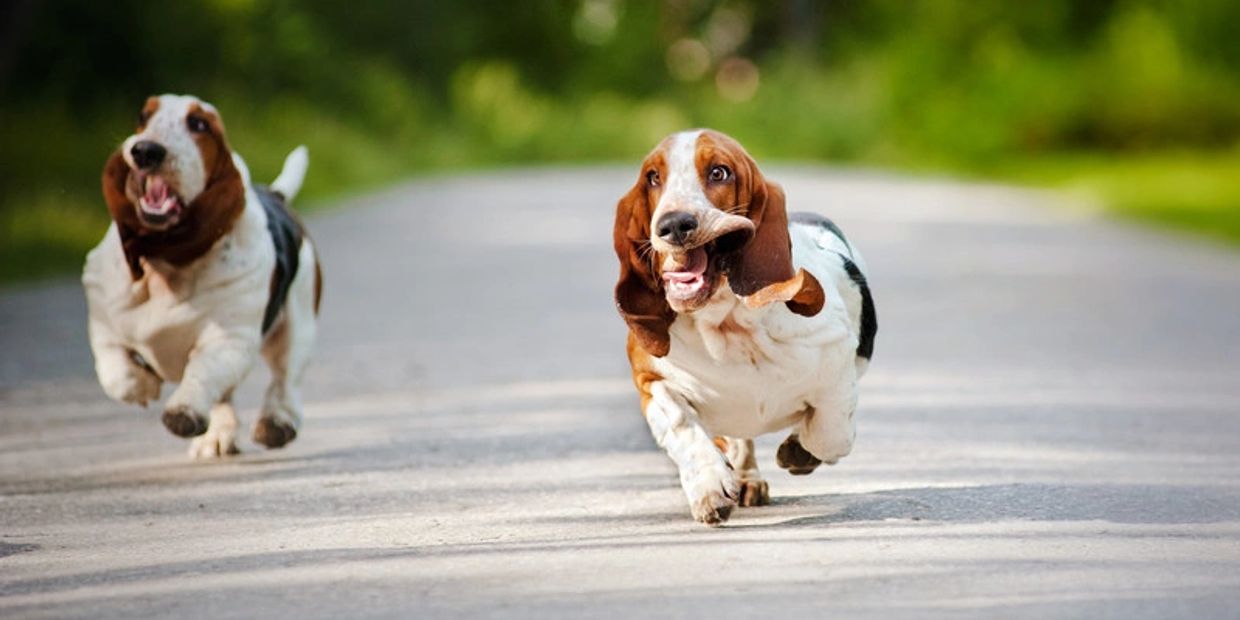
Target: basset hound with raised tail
x=742, y=320
x=199, y=273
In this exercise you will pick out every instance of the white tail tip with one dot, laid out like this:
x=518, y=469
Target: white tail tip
x=294, y=173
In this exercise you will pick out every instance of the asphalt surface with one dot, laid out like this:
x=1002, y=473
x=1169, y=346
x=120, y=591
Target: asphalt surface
x=1050, y=428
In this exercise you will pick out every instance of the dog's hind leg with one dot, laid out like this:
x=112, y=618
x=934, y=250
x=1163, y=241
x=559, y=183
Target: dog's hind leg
x=793, y=457
x=754, y=491
x=828, y=428
x=287, y=350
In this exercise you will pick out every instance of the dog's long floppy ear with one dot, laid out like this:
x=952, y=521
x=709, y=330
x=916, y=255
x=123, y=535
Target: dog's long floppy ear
x=210, y=216
x=223, y=198
x=639, y=296
x=212, y=213
x=761, y=272
x=115, y=175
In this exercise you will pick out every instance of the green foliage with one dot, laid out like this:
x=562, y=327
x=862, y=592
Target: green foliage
x=1127, y=97
x=1190, y=191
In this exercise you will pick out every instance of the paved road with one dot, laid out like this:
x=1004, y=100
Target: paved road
x=1051, y=428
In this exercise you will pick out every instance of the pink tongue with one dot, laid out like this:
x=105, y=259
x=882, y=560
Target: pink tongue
x=156, y=199
x=156, y=190
x=691, y=271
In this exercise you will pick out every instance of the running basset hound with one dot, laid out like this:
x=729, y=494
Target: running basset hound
x=199, y=272
x=742, y=320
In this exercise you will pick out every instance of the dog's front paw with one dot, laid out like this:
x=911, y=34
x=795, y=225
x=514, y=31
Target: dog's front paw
x=136, y=387
x=754, y=492
x=183, y=421
x=713, y=508
x=713, y=493
x=215, y=443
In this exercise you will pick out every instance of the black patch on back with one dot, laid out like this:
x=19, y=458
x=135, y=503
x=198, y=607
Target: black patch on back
x=286, y=236
x=813, y=219
x=869, y=318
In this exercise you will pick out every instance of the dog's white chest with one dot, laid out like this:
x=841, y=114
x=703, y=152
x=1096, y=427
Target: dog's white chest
x=164, y=314
x=156, y=318
x=750, y=372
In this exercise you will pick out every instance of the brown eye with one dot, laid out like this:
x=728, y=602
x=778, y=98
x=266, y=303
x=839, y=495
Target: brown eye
x=652, y=178
x=719, y=174
x=143, y=117
x=196, y=124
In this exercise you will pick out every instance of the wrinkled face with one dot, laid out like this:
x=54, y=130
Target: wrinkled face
x=699, y=185
x=179, y=145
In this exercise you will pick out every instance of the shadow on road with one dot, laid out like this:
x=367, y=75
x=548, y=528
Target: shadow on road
x=1133, y=504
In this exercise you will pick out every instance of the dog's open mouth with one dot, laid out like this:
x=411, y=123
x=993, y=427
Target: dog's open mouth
x=158, y=204
x=686, y=280
x=690, y=277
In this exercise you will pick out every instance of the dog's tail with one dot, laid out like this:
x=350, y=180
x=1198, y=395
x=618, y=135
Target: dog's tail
x=294, y=173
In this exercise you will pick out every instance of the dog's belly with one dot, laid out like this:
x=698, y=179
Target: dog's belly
x=749, y=418
x=747, y=400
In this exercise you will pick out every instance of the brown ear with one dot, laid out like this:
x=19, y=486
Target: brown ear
x=802, y=293
x=761, y=271
x=115, y=176
x=210, y=216
x=639, y=296
x=222, y=200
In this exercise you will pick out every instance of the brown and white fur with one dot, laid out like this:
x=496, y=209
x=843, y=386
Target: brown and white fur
x=186, y=285
x=741, y=322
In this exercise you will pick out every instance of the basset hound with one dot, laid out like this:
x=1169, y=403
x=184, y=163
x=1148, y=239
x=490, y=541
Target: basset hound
x=742, y=320
x=199, y=272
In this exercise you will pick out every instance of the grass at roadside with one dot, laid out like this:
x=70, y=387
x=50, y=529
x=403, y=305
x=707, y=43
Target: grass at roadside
x=1132, y=102
x=1194, y=192
x=49, y=220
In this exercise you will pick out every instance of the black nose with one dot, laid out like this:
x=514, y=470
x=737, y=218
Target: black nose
x=676, y=227
x=147, y=154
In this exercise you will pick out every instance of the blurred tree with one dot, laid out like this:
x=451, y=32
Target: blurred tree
x=382, y=89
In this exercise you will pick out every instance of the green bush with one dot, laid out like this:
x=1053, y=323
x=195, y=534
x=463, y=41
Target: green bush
x=1128, y=98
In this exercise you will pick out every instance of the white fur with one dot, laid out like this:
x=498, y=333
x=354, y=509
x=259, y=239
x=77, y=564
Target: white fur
x=704, y=473
x=288, y=347
x=758, y=376
x=682, y=189
x=292, y=174
x=183, y=164
x=738, y=372
x=683, y=186
x=199, y=325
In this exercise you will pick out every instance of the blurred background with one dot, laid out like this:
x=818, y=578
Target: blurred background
x=1133, y=103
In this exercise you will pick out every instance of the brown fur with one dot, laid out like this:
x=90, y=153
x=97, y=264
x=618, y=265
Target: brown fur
x=208, y=218
x=639, y=291
x=318, y=285
x=795, y=458
x=766, y=259
x=148, y=110
x=643, y=371
x=762, y=267
x=802, y=293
